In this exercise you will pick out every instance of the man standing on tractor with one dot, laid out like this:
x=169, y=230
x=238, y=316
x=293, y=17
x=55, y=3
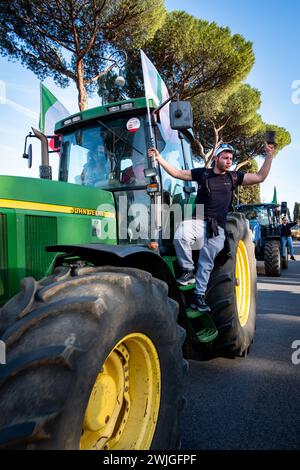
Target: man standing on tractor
x=286, y=237
x=215, y=191
x=277, y=213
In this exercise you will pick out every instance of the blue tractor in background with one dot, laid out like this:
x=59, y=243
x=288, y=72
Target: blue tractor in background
x=264, y=222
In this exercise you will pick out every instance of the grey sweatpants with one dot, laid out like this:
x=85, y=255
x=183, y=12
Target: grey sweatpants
x=191, y=235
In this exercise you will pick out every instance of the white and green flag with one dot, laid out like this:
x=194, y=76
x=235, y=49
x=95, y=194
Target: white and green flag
x=156, y=90
x=51, y=111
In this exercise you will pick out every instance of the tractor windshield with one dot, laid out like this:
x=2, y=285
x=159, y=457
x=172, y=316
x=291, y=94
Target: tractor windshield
x=111, y=154
x=258, y=213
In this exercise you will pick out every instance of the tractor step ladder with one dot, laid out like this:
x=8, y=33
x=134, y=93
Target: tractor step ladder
x=201, y=322
x=203, y=325
x=188, y=287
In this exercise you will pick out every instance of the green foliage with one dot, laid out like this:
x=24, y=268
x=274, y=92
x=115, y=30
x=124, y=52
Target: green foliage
x=108, y=91
x=85, y=40
x=199, y=56
x=193, y=56
x=252, y=146
x=240, y=114
x=205, y=63
x=248, y=194
x=228, y=119
x=297, y=211
x=283, y=137
x=76, y=39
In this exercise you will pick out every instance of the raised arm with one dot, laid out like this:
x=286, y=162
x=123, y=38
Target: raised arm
x=292, y=224
x=260, y=176
x=185, y=175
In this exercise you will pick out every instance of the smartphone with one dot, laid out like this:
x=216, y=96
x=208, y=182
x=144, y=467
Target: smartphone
x=270, y=137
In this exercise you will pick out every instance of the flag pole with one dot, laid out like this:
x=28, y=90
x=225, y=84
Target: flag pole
x=41, y=126
x=149, y=122
x=152, y=142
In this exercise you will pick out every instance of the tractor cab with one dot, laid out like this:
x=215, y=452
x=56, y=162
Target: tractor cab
x=107, y=148
x=262, y=215
x=263, y=221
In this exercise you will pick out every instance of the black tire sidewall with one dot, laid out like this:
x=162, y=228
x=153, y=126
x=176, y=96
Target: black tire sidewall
x=157, y=324
x=234, y=339
x=117, y=302
x=272, y=262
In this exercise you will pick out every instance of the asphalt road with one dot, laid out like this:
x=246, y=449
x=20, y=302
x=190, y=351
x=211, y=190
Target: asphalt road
x=252, y=403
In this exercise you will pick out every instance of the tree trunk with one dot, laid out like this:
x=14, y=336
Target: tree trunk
x=82, y=95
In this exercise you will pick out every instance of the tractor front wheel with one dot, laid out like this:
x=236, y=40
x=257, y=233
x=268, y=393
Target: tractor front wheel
x=95, y=363
x=272, y=258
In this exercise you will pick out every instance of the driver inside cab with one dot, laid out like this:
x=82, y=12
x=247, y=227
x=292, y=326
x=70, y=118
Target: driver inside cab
x=95, y=169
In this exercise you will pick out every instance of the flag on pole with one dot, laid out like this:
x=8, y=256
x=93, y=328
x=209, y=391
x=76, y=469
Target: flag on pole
x=155, y=89
x=51, y=111
x=274, y=201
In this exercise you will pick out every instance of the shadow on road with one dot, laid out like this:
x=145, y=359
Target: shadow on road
x=252, y=403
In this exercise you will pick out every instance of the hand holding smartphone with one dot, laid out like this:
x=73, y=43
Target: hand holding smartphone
x=270, y=137
x=270, y=140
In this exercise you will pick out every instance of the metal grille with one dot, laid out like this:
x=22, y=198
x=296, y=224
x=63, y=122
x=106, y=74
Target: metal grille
x=40, y=231
x=3, y=257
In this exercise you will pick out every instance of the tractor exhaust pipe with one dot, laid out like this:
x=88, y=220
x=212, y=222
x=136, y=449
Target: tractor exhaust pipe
x=45, y=168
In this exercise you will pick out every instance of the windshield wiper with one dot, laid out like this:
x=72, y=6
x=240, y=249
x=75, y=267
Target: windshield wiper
x=119, y=137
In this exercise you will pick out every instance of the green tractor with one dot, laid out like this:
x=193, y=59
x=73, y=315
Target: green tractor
x=96, y=337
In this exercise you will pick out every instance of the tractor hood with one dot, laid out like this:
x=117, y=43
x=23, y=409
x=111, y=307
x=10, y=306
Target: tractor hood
x=54, y=196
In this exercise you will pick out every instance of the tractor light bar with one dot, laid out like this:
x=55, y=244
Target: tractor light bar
x=127, y=105
x=73, y=119
x=112, y=109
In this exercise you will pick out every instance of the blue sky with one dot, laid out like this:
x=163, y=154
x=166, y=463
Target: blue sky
x=273, y=28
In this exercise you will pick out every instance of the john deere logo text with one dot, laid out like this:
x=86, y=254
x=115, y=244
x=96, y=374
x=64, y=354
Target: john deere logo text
x=93, y=212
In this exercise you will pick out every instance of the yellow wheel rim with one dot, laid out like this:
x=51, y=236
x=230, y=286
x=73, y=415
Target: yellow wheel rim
x=242, y=284
x=123, y=407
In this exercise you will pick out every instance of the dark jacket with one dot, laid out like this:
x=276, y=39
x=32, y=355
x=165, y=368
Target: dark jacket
x=286, y=229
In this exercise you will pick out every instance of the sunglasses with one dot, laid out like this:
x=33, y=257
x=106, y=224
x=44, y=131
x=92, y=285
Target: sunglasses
x=226, y=146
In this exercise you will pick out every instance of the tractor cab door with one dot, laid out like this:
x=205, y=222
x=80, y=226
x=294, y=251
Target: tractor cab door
x=273, y=226
x=176, y=194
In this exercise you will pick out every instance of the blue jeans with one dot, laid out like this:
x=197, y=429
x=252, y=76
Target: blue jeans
x=191, y=235
x=289, y=242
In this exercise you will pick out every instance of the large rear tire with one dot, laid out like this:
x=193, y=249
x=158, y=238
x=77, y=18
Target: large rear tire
x=232, y=292
x=94, y=363
x=272, y=258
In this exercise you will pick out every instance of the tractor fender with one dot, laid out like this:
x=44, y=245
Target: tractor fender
x=139, y=257
x=273, y=237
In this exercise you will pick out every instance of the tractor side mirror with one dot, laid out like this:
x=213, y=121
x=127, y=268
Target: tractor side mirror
x=28, y=155
x=181, y=115
x=57, y=142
